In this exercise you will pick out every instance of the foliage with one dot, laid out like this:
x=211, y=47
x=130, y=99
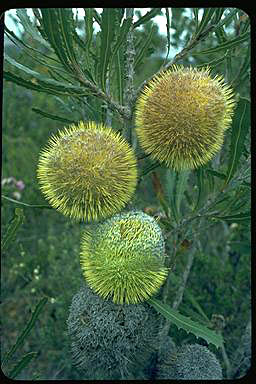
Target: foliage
x=60, y=71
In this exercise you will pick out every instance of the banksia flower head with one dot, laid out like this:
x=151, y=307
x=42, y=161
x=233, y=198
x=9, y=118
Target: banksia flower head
x=123, y=257
x=190, y=362
x=111, y=341
x=181, y=116
x=87, y=171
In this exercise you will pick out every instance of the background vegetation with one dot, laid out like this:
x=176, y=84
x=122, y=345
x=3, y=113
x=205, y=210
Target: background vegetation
x=213, y=217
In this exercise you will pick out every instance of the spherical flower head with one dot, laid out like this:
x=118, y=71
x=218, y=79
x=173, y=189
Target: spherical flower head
x=87, y=171
x=190, y=362
x=123, y=257
x=181, y=116
x=111, y=341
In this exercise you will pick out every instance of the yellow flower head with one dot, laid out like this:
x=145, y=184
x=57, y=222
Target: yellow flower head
x=123, y=257
x=87, y=171
x=181, y=116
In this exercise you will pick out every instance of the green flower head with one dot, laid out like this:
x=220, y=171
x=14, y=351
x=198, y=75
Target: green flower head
x=181, y=116
x=87, y=171
x=123, y=257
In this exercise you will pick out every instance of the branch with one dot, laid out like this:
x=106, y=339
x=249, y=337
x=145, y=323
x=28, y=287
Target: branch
x=180, y=293
x=129, y=76
x=123, y=111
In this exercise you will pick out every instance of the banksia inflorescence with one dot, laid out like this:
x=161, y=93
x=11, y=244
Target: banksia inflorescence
x=123, y=257
x=189, y=362
x=181, y=116
x=87, y=171
x=111, y=341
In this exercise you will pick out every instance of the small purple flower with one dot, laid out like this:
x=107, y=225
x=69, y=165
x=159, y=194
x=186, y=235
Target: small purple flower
x=20, y=185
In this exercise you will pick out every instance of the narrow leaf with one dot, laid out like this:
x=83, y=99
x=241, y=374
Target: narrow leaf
x=170, y=187
x=29, y=27
x=22, y=364
x=181, y=185
x=25, y=204
x=148, y=16
x=240, y=217
x=43, y=84
x=108, y=25
x=207, y=15
x=12, y=229
x=142, y=50
x=26, y=330
x=54, y=117
x=227, y=45
x=186, y=323
x=240, y=128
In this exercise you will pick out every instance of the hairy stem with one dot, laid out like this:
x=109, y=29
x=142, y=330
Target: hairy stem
x=129, y=76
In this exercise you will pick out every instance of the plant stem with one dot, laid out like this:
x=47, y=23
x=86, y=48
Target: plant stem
x=129, y=76
x=164, y=329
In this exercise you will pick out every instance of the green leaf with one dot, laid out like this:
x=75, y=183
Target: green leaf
x=217, y=174
x=227, y=45
x=57, y=26
x=25, y=204
x=218, y=14
x=240, y=217
x=142, y=50
x=148, y=16
x=207, y=15
x=175, y=187
x=170, y=187
x=22, y=364
x=181, y=185
x=12, y=228
x=226, y=20
x=186, y=323
x=29, y=27
x=107, y=35
x=196, y=305
x=53, y=117
x=195, y=12
x=40, y=83
x=240, y=128
x=26, y=330
x=122, y=35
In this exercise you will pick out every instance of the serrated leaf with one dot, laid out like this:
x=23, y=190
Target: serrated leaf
x=148, y=16
x=108, y=24
x=29, y=27
x=26, y=330
x=12, y=228
x=186, y=323
x=22, y=364
x=240, y=128
x=53, y=117
x=43, y=84
x=57, y=27
x=227, y=45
